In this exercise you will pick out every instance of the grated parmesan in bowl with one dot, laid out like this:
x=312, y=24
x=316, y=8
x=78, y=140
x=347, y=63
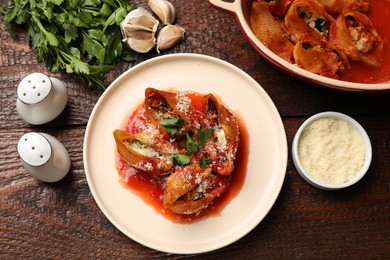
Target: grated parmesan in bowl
x=331, y=151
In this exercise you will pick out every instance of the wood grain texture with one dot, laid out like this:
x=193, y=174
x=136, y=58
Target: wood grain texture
x=62, y=220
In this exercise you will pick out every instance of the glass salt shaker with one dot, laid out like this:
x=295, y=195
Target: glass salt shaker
x=43, y=156
x=40, y=98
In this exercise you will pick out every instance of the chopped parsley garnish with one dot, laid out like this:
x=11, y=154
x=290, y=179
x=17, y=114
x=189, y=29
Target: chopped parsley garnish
x=191, y=145
x=203, y=135
x=204, y=162
x=180, y=159
x=172, y=125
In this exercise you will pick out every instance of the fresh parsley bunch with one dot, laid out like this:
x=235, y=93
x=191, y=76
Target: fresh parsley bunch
x=79, y=37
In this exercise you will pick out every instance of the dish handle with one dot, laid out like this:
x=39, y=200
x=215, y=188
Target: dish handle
x=225, y=5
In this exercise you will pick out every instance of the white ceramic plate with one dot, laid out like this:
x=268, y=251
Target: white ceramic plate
x=267, y=160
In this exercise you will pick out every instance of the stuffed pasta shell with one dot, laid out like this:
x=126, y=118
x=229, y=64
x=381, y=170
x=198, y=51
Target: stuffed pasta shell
x=278, y=7
x=198, y=196
x=270, y=31
x=222, y=147
x=171, y=112
x=190, y=189
x=320, y=58
x=307, y=18
x=354, y=35
x=144, y=153
x=337, y=6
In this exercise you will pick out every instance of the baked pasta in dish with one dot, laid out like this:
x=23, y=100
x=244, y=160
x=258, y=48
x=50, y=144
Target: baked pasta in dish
x=321, y=36
x=188, y=147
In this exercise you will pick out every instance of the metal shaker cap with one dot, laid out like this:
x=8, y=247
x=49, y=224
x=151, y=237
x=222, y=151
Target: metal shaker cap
x=34, y=88
x=34, y=149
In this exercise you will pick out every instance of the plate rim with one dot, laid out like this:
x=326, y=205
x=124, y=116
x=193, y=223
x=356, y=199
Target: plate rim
x=201, y=57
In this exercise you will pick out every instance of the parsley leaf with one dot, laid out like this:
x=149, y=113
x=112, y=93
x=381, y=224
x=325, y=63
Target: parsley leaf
x=191, y=145
x=172, y=125
x=204, y=162
x=93, y=47
x=180, y=159
x=203, y=135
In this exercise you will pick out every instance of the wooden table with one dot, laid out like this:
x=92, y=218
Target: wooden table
x=62, y=220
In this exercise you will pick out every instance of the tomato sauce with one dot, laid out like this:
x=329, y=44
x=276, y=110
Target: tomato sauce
x=379, y=15
x=151, y=189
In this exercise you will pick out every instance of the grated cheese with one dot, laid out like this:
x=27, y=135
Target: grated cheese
x=183, y=102
x=148, y=166
x=331, y=150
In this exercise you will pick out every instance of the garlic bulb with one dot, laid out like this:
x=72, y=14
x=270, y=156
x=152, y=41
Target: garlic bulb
x=169, y=36
x=164, y=10
x=138, y=29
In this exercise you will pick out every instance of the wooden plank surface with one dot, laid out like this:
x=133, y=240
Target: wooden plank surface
x=39, y=220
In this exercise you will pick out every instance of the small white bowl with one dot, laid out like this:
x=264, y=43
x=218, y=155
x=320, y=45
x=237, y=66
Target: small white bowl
x=316, y=182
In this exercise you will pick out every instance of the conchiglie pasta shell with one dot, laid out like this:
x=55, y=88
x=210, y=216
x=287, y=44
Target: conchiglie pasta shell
x=183, y=180
x=191, y=206
x=341, y=38
x=337, y=6
x=223, y=118
x=164, y=104
x=278, y=8
x=298, y=27
x=318, y=57
x=213, y=187
x=149, y=164
x=269, y=31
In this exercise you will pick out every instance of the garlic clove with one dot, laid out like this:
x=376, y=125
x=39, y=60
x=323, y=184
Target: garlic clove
x=164, y=10
x=141, y=45
x=144, y=21
x=141, y=17
x=138, y=29
x=169, y=36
